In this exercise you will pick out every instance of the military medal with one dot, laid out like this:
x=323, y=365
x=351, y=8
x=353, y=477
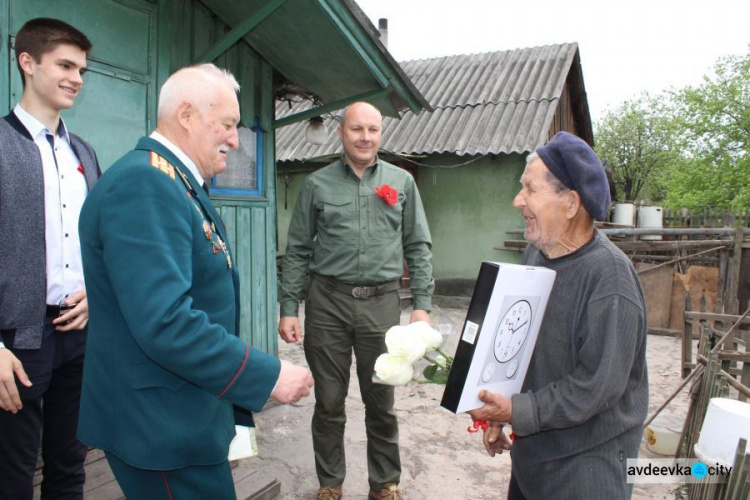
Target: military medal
x=226, y=252
x=209, y=228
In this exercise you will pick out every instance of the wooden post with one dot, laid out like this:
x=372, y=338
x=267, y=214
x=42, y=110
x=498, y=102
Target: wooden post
x=721, y=285
x=744, y=379
x=731, y=301
x=687, y=339
x=744, y=474
x=701, y=405
x=734, y=485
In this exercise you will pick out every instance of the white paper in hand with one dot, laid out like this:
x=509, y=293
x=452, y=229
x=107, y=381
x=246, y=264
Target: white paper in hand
x=244, y=444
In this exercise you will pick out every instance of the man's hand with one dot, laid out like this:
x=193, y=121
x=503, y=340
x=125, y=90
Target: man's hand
x=496, y=408
x=9, y=365
x=289, y=329
x=76, y=318
x=294, y=383
x=419, y=315
x=495, y=440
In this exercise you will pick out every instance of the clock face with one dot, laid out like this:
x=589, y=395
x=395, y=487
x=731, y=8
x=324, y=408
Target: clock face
x=512, y=331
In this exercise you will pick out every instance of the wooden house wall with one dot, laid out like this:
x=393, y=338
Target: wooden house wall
x=564, y=119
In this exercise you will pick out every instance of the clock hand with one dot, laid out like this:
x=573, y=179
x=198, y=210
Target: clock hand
x=519, y=326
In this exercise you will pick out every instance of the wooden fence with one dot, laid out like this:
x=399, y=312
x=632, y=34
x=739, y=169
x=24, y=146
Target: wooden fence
x=708, y=217
x=717, y=369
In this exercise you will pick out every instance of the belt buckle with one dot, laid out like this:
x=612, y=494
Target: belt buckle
x=360, y=292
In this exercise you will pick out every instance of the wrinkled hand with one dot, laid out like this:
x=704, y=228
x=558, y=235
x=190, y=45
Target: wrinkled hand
x=78, y=317
x=496, y=408
x=294, y=383
x=9, y=365
x=289, y=329
x=419, y=315
x=495, y=440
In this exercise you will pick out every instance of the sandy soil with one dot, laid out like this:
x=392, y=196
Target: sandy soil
x=440, y=459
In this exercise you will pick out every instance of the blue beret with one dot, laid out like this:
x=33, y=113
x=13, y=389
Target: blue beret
x=576, y=165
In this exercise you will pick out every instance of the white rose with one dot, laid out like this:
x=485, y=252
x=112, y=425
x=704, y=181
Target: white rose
x=393, y=370
x=431, y=337
x=402, y=342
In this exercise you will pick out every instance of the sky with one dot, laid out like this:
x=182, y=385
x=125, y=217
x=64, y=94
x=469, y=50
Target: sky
x=626, y=46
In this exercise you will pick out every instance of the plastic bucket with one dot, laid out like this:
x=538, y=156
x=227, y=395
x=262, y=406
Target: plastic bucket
x=727, y=420
x=650, y=217
x=623, y=214
x=663, y=434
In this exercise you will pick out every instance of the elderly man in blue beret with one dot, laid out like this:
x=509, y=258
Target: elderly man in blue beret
x=580, y=414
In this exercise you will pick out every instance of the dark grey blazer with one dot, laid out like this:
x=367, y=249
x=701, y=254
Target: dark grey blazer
x=23, y=277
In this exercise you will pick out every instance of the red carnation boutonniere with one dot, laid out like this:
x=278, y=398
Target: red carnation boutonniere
x=389, y=194
x=80, y=168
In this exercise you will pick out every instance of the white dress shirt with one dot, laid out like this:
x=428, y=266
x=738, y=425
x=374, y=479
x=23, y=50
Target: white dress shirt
x=65, y=190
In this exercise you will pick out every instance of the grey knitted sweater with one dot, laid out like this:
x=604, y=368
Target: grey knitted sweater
x=587, y=382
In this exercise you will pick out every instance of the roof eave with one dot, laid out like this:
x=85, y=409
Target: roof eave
x=279, y=29
x=404, y=88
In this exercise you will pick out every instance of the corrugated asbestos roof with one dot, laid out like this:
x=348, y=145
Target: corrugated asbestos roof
x=496, y=102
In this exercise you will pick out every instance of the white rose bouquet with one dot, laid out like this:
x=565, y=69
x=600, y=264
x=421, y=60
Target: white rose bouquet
x=407, y=345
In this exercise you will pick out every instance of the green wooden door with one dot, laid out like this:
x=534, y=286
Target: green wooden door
x=250, y=217
x=118, y=101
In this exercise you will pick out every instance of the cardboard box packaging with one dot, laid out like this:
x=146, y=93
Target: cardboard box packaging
x=499, y=333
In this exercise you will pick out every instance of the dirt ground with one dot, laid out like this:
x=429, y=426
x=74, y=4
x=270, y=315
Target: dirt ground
x=440, y=459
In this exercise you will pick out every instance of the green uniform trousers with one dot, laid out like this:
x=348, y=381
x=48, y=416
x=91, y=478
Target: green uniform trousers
x=336, y=322
x=197, y=482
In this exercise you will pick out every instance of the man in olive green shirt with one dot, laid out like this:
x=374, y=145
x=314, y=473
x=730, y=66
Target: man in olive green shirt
x=355, y=222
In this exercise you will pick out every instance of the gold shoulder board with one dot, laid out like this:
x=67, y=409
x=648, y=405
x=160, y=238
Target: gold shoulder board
x=162, y=164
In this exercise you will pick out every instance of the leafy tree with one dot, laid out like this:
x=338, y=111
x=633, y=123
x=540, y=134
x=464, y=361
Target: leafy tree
x=636, y=140
x=714, y=124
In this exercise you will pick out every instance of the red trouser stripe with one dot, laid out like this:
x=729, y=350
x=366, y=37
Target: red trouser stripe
x=166, y=484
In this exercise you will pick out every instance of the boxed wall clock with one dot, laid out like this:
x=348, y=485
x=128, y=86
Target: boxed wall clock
x=499, y=334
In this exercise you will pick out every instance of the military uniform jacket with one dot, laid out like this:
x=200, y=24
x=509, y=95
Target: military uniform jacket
x=164, y=364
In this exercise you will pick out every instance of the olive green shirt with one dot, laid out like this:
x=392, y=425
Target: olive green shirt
x=342, y=228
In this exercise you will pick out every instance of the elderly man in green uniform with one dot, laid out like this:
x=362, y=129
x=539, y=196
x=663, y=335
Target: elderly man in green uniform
x=354, y=223
x=164, y=365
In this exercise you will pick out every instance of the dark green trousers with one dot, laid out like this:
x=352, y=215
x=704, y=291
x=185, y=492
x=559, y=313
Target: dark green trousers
x=336, y=324
x=197, y=482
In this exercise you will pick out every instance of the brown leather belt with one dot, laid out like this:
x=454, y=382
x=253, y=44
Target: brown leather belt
x=357, y=291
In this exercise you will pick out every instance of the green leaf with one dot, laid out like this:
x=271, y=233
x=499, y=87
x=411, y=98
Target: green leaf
x=436, y=374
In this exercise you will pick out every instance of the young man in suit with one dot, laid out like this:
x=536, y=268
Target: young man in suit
x=165, y=366
x=45, y=174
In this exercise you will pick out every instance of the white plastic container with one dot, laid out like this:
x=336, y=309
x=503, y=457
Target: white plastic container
x=727, y=420
x=650, y=217
x=663, y=434
x=623, y=214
